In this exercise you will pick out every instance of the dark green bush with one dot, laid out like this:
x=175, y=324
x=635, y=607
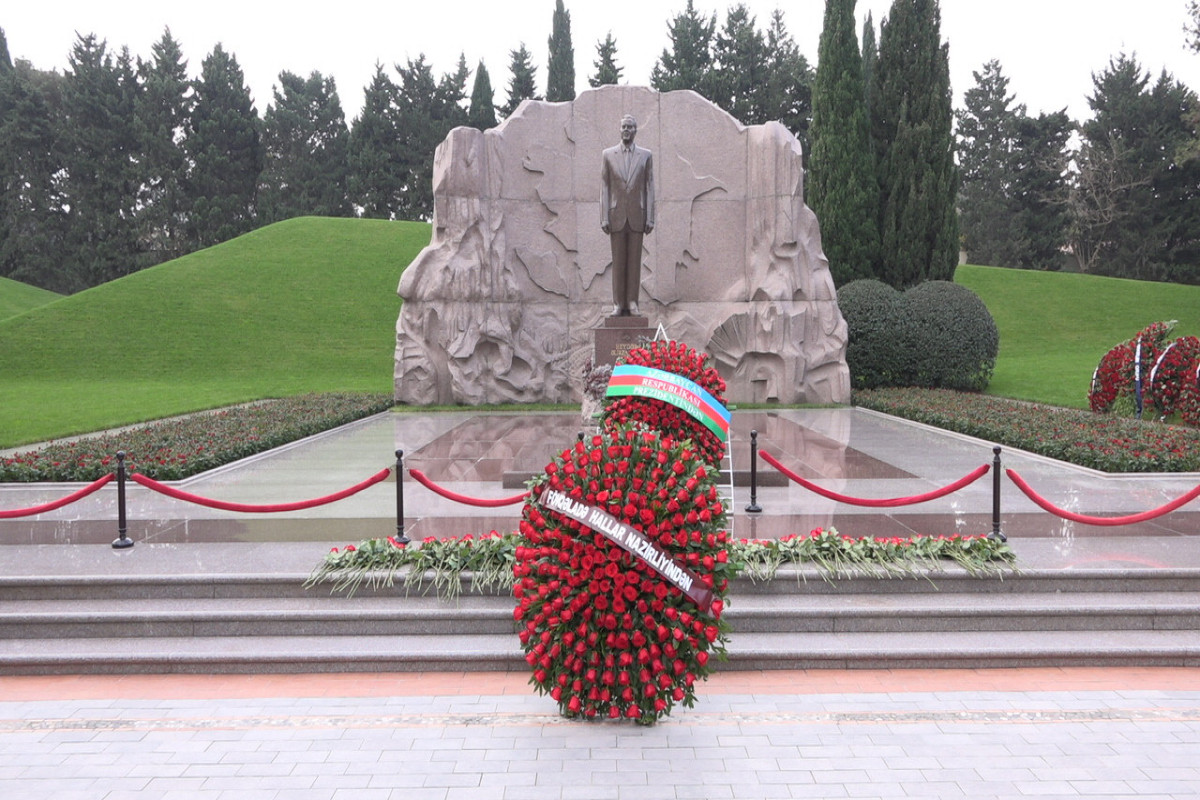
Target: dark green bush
x=958, y=339
x=873, y=311
x=937, y=334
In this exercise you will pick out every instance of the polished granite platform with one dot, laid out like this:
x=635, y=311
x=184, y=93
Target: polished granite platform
x=850, y=451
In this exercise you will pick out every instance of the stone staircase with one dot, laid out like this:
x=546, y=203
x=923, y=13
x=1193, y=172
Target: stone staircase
x=269, y=623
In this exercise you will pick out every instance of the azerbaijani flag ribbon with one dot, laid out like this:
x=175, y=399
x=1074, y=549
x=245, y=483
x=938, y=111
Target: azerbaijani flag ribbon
x=631, y=380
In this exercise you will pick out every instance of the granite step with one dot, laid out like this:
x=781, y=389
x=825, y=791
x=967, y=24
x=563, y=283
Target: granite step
x=474, y=614
x=268, y=623
x=747, y=651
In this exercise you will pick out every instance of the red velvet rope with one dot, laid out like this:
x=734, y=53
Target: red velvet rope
x=1086, y=520
x=65, y=501
x=248, y=508
x=966, y=480
x=462, y=498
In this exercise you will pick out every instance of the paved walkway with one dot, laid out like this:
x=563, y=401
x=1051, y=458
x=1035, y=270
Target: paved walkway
x=1049, y=733
x=929, y=733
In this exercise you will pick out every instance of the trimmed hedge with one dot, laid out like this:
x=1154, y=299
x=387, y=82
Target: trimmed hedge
x=938, y=334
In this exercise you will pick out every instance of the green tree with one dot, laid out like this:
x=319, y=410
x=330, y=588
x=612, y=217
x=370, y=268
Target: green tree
x=224, y=144
x=870, y=54
x=912, y=129
x=1135, y=195
x=100, y=150
x=607, y=71
x=304, y=151
x=560, y=81
x=987, y=127
x=739, y=74
x=842, y=189
x=163, y=110
x=32, y=209
x=482, y=112
x=789, y=83
x=1040, y=188
x=688, y=63
x=426, y=110
x=522, y=84
x=374, y=180
x=1012, y=196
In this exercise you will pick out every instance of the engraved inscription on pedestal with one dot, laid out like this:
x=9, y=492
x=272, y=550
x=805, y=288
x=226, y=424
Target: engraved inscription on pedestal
x=617, y=336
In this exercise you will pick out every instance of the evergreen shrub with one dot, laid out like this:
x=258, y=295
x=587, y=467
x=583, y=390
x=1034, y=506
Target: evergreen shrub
x=936, y=335
x=872, y=310
x=957, y=338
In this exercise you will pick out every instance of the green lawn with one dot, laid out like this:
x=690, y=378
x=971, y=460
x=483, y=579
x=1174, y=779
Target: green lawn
x=307, y=305
x=1055, y=327
x=17, y=298
x=310, y=305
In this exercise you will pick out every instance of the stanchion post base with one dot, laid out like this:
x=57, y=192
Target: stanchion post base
x=122, y=543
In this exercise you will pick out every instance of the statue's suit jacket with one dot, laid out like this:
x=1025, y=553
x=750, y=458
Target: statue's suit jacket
x=627, y=196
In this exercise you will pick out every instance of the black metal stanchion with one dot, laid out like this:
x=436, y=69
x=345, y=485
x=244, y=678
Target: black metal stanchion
x=754, y=507
x=400, y=537
x=996, y=533
x=122, y=541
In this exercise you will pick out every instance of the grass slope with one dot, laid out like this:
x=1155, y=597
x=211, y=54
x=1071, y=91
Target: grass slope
x=307, y=305
x=17, y=298
x=1055, y=327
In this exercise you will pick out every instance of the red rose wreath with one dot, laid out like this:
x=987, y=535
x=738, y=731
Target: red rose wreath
x=606, y=634
x=678, y=358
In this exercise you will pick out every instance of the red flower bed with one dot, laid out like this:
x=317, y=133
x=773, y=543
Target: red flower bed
x=677, y=358
x=605, y=633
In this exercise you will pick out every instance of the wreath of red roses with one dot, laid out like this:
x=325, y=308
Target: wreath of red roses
x=1171, y=371
x=1116, y=374
x=1188, y=404
x=604, y=633
x=1110, y=379
x=680, y=359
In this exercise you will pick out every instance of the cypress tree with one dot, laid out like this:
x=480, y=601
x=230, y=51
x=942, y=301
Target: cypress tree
x=482, y=112
x=912, y=128
x=870, y=54
x=560, y=82
x=842, y=190
x=607, y=71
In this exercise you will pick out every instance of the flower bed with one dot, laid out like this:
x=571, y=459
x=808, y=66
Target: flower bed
x=484, y=563
x=178, y=448
x=1103, y=442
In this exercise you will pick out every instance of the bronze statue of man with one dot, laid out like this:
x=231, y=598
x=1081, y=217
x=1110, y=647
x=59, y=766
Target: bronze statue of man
x=626, y=213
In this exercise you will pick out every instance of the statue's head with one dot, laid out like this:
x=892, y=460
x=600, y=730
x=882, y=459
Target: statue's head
x=628, y=128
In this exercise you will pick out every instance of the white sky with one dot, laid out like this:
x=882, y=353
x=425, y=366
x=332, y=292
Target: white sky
x=1047, y=48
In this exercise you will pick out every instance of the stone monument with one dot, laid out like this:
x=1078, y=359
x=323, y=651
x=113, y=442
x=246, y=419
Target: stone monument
x=502, y=304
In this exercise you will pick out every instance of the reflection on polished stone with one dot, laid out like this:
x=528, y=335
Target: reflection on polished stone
x=853, y=452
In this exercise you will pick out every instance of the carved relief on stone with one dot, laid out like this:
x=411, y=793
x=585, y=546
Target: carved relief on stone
x=500, y=306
